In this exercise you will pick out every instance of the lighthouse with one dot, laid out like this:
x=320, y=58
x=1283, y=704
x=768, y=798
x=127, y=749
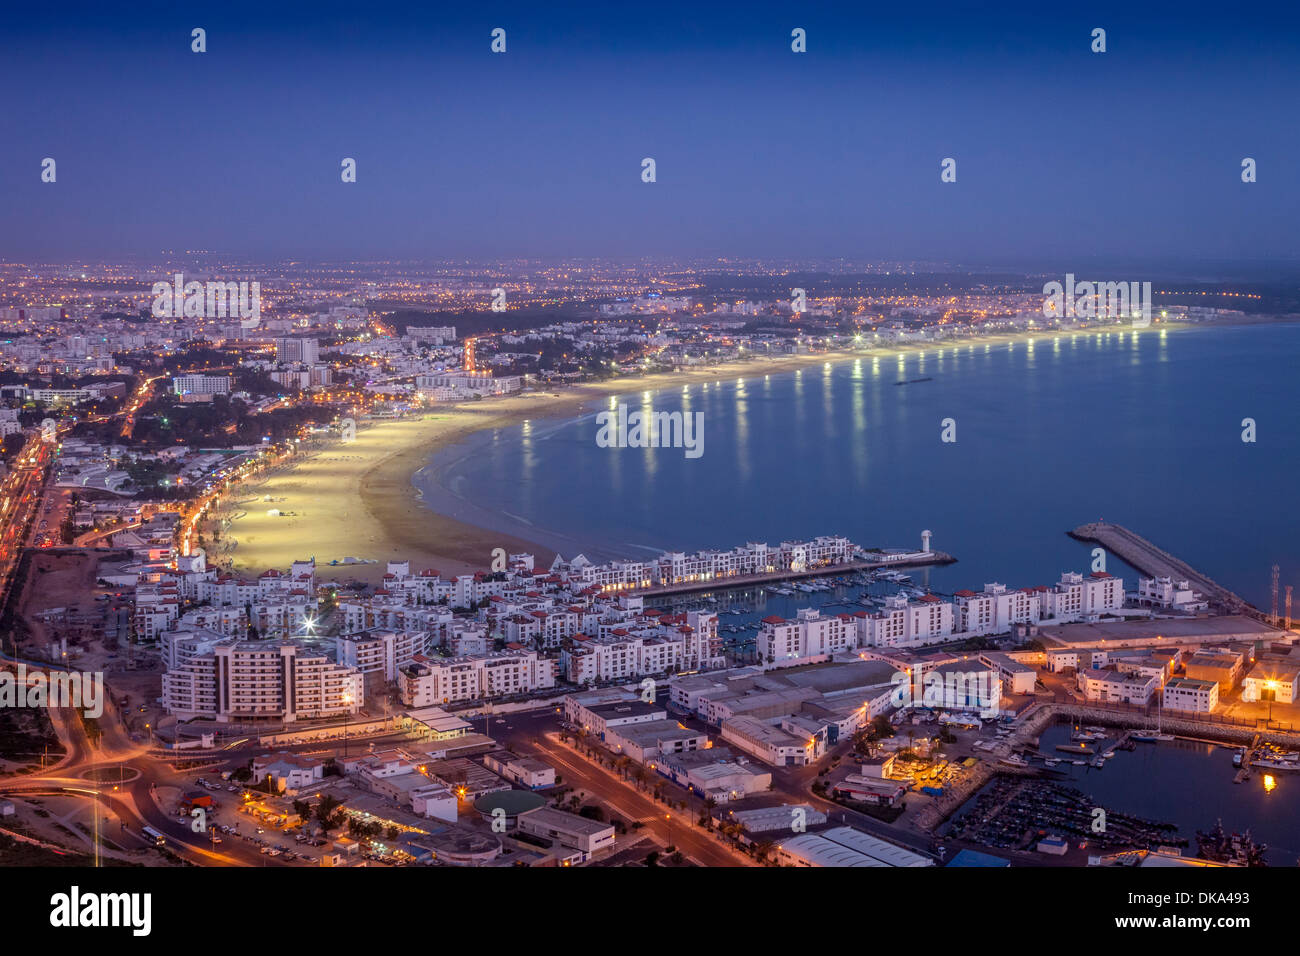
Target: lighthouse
x=925, y=541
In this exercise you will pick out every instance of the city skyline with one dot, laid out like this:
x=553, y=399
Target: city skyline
x=648, y=438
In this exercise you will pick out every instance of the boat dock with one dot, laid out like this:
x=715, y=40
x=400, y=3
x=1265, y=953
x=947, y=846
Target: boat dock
x=1149, y=559
x=1244, y=773
x=1125, y=742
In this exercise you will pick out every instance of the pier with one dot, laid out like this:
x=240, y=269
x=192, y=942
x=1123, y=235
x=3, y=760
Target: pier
x=1243, y=774
x=1149, y=559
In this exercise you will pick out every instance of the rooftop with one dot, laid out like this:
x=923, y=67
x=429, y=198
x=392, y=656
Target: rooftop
x=1181, y=630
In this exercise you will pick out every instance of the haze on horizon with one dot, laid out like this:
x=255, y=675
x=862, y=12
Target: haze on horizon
x=760, y=152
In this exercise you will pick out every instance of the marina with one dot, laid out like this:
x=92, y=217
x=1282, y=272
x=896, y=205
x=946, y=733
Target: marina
x=808, y=580
x=740, y=609
x=1013, y=813
x=1243, y=813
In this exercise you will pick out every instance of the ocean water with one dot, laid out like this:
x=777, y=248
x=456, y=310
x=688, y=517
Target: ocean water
x=1143, y=429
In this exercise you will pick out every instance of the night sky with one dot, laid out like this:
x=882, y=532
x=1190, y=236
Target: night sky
x=760, y=152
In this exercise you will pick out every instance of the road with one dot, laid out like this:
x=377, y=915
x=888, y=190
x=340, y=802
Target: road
x=21, y=497
x=87, y=768
x=671, y=827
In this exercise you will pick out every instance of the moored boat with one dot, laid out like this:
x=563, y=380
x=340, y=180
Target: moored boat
x=1076, y=749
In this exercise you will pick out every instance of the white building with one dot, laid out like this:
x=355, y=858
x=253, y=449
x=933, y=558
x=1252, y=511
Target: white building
x=1108, y=684
x=382, y=650
x=845, y=847
x=202, y=384
x=904, y=622
x=234, y=680
x=647, y=742
x=1191, y=695
x=1269, y=680
x=429, y=681
x=1017, y=677
x=1165, y=592
x=526, y=771
x=567, y=829
x=715, y=772
x=995, y=609
x=808, y=638
x=771, y=743
x=1075, y=597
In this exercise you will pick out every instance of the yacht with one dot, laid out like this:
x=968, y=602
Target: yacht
x=1151, y=736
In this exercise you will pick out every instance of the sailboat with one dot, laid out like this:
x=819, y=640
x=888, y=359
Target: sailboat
x=1151, y=736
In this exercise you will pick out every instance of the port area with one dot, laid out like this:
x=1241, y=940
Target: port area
x=930, y=559
x=1136, y=550
x=1018, y=754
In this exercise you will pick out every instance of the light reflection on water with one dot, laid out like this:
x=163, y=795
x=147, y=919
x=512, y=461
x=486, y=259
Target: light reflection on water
x=1142, y=430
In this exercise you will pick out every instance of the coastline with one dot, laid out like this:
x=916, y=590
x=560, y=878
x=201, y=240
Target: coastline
x=358, y=500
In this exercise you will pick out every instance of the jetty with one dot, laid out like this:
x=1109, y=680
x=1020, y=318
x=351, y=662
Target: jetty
x=1131, y=547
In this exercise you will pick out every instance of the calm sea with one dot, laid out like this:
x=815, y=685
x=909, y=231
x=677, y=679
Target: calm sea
x=1142, y=429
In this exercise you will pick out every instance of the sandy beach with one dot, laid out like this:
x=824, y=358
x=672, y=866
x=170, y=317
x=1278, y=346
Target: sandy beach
x=356, y=500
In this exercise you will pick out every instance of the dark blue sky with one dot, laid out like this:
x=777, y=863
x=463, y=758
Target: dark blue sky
x=760, y=151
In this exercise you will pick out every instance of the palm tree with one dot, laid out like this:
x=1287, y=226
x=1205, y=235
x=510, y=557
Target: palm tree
x=709, y=804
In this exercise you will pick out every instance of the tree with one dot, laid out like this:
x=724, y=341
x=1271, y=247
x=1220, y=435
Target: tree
x=328, y=814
